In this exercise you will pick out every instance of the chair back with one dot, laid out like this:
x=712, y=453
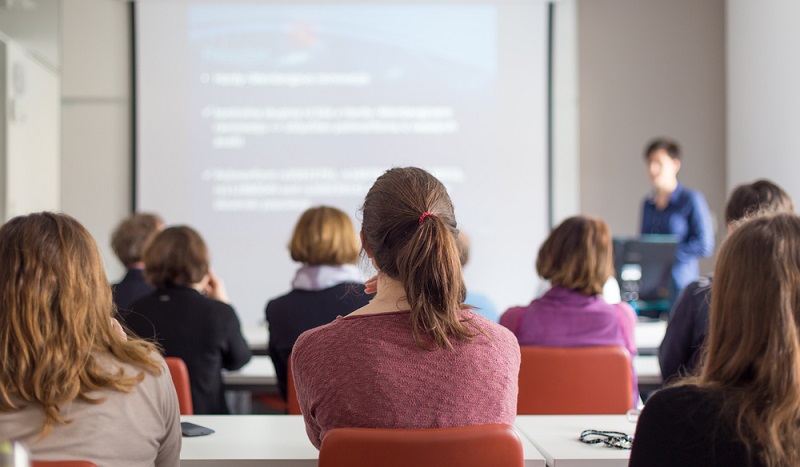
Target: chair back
x=578, y=380
x=466, y=446
x=292, y=404
x=62, y=464
x=180, y=379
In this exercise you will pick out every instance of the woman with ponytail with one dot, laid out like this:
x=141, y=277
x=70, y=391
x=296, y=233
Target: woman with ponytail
x=415, y=356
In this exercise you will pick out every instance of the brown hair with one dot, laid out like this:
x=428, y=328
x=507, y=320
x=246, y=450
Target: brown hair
x=324, y=235
x=753, y=350
x=668, y=145
x=176, y=257
x=56, y=318
x=132, y=234
x=419, y=251
x=761, y=196
x=577, y=255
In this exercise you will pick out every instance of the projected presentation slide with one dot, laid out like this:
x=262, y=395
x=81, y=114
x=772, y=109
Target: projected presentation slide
x=250, y=113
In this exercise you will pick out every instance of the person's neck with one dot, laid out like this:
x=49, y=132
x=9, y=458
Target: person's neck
x=663, y=193
x=137, y=265
x=390, y=297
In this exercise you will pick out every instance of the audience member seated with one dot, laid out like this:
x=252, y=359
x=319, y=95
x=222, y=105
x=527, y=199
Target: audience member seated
x=482, y=304
x=72, y=385
x=128, y=241
x=415, y=356
x=744, y=406
x=577, y=260
x=188, y=315
x=680, y=350
x=327, y=285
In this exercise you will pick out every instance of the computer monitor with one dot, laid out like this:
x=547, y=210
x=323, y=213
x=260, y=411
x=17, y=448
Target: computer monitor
x=644, y=271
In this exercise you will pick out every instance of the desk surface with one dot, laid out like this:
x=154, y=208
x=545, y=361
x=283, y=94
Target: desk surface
x=647, y=369
x=649, y=335
x=259, y=371
x=268, y=441
x=556, y=436
x=257, y=336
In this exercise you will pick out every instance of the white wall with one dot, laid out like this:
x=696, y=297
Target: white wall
x=649, y=68
x=764, y=92
x=29, y=108
x=96, y=115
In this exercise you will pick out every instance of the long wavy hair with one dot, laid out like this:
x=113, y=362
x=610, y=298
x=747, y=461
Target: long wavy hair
x=55, y=319
x=753, y=351
x=410, y=229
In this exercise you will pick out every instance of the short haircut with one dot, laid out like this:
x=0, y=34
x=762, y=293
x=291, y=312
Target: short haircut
x=669, y=145
x=324, y=235
x=176, y=257
x=761, y=196
x=577, y=255
x=132, y=234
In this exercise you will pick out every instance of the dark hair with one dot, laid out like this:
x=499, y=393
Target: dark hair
x=324, y=235
x=577, y=255
x=176, y=257
x=760, y=196
x=666, y=144
x=418, y=250
x=132, y=234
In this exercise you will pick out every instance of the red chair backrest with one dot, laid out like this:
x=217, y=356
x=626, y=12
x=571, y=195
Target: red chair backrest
x=292, y=404
x=467, y=446
x=578, y=380
x=62, y=464
x=180, y=379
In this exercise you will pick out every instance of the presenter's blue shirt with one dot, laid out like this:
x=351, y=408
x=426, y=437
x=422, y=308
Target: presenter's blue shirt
x=687, y=217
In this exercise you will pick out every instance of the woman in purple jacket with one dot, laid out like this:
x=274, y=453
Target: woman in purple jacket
x=577, y=260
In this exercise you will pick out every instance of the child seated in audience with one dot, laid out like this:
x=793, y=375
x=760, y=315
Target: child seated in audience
x=415, y=356
x=577, y=260
x=744, y=406
x=188, y=315
x=681, y=348
x=72, y=385
x=327, y=285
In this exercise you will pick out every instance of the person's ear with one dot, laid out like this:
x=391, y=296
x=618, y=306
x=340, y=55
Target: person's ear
x=677, y=163
x=364, y=244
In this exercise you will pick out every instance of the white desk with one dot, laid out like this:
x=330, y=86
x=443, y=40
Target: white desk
x=249, y=440
x=647, y=369
x=268, y=441
x=257, y=336
x=649, y=335
x=556, y=436
x=258, y=372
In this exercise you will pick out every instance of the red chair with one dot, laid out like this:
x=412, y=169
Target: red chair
x=180, y=379
x=466, y=446
x=578, y=380
x=62, y=464
x=292, y=404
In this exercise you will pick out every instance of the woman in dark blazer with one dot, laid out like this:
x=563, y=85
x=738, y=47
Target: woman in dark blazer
x=327, y=285
x=189, y=316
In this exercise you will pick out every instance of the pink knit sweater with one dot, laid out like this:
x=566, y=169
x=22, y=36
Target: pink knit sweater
x=366, y=371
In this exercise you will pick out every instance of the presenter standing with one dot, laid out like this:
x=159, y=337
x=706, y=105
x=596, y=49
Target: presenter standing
x=673, y=209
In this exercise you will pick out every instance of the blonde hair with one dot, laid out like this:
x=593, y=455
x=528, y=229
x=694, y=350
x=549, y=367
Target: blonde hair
x=577, y=255
x=753, y=350
x=324, y=235
x=56, y=318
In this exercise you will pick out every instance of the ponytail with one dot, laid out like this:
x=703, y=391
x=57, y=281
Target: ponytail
x=430, y=269
x=409, y=226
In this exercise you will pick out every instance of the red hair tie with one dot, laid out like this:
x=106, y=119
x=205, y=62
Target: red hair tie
x=424, y=215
